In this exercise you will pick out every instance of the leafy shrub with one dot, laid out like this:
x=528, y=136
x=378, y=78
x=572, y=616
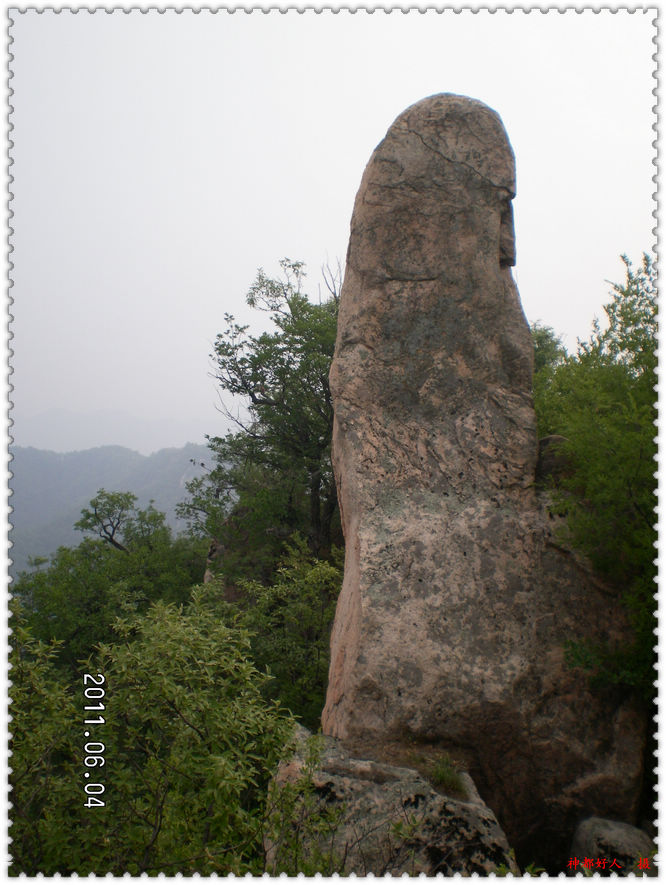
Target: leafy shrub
x=300, y=826
x=44, y=771
x=291, y=624
x=80, y=592
x=603, y=401
x=189, y=742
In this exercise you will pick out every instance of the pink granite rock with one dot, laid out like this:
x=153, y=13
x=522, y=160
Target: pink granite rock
x=457, y=599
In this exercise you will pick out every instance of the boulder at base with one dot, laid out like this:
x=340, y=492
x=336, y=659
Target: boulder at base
x=457, y=599
x=383, y=819
x=631, y=848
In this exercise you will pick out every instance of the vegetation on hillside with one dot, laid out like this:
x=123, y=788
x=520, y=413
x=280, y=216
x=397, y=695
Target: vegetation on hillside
x=272, y=476
x=193, y=689
x=178, y=767
x=131, y=561
x=50, y=488
x=602, y=400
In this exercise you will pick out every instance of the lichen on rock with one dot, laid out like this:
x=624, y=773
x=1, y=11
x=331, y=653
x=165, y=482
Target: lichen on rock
x=389, y=820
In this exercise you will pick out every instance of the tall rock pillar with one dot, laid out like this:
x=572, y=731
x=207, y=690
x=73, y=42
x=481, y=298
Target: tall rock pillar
x=457, y=600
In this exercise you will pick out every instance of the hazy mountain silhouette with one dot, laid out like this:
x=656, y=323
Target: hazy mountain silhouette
x=66, y=430
x=50, y=489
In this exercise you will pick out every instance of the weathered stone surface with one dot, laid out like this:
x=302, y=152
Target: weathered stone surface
x=599, y=838
x=457, y=599
x=393, y=821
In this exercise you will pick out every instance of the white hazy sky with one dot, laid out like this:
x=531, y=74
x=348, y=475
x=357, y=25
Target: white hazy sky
x=160, y=159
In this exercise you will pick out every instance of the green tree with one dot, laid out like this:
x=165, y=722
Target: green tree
x=81, y=592
x=194, y=740
x=548, y=348
x=107, y=516
x=273, y=475
x=43, y=749
x=549, y=352
x=290, y=623
x=602, y=399
x=188, y=743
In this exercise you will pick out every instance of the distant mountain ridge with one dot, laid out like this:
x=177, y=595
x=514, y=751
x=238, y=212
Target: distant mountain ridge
x=50, y=489
x=66, y=430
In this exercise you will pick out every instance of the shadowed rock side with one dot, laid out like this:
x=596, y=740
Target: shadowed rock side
x=456, y=599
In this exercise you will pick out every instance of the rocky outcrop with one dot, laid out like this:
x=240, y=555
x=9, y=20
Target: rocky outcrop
x=383, y=819
x=614, y=841
x=457, y=599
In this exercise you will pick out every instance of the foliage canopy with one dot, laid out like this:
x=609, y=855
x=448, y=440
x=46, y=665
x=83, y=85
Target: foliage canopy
x=273, y=475
x=290, y=620
x=77, y=596
x=602, y=400
x=189, y=739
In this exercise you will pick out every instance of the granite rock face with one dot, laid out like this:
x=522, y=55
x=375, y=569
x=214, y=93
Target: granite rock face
x=391, y=820
x=457, y=599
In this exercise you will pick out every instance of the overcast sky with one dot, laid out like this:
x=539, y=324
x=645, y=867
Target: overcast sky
x=160, y=159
